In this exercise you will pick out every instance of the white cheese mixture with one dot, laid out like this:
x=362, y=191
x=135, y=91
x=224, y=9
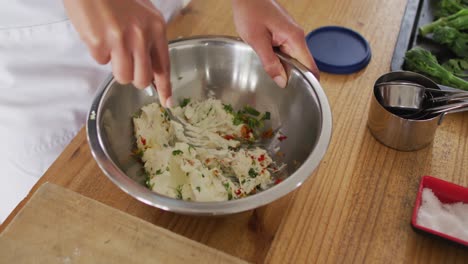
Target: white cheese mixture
x=217, y=169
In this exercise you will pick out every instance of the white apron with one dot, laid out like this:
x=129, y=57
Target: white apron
x=47, y=82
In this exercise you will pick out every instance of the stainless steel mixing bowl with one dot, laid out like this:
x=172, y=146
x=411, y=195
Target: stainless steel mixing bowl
x=227, y=69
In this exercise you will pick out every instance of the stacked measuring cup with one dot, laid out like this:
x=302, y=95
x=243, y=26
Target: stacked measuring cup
x=407, y=107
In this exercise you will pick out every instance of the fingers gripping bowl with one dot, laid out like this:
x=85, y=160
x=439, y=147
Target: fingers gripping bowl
x=227, y=69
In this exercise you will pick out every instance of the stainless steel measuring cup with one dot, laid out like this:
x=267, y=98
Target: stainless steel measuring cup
x=401, y=96
x=394, y=130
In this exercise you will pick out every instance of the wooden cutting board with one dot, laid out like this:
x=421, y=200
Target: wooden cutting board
x=60, y=226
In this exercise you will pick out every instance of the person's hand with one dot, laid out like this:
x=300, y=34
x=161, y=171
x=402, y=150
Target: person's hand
x=129, y=33
x=263, y=24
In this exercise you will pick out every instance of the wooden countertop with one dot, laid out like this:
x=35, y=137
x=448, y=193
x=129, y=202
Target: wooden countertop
x=357, y=205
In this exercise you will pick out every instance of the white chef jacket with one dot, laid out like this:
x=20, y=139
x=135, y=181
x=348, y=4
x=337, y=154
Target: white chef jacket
x=47, y=82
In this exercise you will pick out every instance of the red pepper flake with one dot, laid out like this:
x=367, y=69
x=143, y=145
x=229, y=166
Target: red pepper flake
x=261, y=158
x=229, y=137
x=238, y=192
x=278, y=181
x=245, y=131
x=282, y=137
x=207, y=161
x=143, y=140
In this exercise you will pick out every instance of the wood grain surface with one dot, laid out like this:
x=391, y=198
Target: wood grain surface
x=357, y=205
x=82, y=230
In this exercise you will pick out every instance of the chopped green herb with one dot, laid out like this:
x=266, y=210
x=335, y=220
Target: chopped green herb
x=166, y=115
x=237, y=120
x=203, y=175
x=186, y=174
x=148, y=178
x=158, y=172
x=248, y=116
x=228, y=190
x=252, y=173
x=165, y=145
x=253, y=122
x=228, y=108
x=179, y=192
x=167, y=168
x=266, y=116
x=139, y=153
x=185, y=102
x=243, y=181
x=251, y=110
x=177, y=152
x=137, y=114
x=190, y=147
x=198, y=188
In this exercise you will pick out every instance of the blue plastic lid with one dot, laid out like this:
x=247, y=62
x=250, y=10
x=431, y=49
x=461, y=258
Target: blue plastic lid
x=338, y=50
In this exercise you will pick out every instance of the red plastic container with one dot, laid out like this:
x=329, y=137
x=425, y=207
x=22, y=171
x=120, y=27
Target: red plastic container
x=447, y=192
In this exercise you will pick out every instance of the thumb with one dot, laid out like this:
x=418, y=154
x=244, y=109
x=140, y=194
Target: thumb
x=271, y=63
x=296, y=47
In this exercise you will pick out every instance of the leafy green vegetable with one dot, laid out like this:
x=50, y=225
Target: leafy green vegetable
x=198, y=188
x=185, y=102
x=458, y=21
x=454, y=39
x=449, y=7
x=177, y=152
x=457, y=67
x=422, y=61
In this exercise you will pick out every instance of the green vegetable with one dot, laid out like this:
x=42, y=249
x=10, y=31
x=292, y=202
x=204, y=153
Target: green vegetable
x=139, y=153
x=449, y=7
x=148, y=178
x=250, y=110
x=137, y=114
x=228, y=190
x=457, y=67
x=228, y=108
x=185, y=102
x=458, y=21
x=422, y=61
x=198, y=188
x=266, y=116
x=177, y=152
x=454, y=39
x=190, y=147
x=179, y=192
x=252, y=173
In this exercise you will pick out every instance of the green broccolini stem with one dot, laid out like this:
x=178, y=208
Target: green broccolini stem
x=422, y=61
x=458, y=21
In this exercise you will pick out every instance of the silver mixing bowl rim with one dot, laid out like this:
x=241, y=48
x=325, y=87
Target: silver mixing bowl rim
x=143, y=194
